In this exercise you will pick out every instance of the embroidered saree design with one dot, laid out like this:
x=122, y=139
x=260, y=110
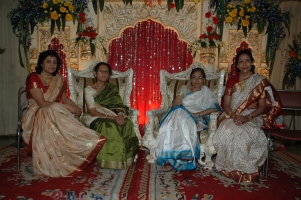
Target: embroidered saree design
x=242, y=150
x=60, y=145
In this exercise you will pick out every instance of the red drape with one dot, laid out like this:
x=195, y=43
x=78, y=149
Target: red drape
x=147, y=48
x=58, y=48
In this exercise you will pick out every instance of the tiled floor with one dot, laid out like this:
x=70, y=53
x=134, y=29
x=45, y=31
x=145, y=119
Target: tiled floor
x=290, y=148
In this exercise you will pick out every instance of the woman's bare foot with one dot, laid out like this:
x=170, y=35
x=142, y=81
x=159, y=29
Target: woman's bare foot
x=166, y=168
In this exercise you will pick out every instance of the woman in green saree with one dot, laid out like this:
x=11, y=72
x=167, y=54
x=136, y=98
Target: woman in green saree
x=107, y=115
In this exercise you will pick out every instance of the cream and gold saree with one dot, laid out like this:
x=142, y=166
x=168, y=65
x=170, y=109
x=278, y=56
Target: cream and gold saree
x=60, y=145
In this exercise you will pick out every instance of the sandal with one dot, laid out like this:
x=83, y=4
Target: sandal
x=166, y=168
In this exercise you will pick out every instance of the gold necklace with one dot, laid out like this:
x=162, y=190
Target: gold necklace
x=244, y=77
x=48, y=77
x=242, y=83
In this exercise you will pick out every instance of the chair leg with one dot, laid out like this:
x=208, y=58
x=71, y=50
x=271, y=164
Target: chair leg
x=265, y=166
x=18, y=148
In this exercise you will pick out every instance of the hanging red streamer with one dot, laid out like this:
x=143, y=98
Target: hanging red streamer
x=147, y=48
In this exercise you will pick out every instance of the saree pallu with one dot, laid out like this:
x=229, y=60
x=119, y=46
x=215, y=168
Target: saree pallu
x=242, y=150
x=177, y=138
x=122, y=144
x=60, y=145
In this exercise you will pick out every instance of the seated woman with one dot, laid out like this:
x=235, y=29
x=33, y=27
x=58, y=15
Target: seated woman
x=60, y=145
x=107, y=115
x=177, y=141
x=240, y=143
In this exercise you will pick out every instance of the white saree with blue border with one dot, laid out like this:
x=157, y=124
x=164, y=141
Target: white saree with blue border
x=177, y=140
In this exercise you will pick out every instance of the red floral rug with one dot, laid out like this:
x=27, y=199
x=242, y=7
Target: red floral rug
x=145, y=181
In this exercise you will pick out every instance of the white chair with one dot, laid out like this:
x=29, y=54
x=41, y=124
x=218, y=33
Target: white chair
x=169, y=85
x=78, y=80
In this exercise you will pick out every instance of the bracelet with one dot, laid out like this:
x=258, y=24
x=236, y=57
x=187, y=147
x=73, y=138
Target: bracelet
x=106, y=116
x=251, y=116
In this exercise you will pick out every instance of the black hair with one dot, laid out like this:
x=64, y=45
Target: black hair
x=43, y=55
x=247, y=52
x=198, y=70
x=102, y=63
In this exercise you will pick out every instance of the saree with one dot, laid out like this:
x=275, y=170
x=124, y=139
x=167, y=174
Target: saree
x=60, y=145
x=122, y=144
x=242, y=150
x=177, y=140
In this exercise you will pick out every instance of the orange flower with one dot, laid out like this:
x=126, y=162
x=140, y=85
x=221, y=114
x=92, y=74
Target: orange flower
x=292, y=54
x=54, y=15
x=245, y=22
x=69, y=17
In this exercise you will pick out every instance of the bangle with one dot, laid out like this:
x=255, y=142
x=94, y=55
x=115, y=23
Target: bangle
x=106, y=116
x=251, y=116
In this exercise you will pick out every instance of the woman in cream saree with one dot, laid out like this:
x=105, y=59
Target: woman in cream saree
x=60, y=145
x=250, y=103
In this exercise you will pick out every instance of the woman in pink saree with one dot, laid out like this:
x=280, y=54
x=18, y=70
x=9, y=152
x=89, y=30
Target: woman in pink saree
x=60, y=145
x=250, y=103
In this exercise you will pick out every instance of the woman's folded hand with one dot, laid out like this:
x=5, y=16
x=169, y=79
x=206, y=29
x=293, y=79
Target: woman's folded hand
x=119, y=119
x=77, y=111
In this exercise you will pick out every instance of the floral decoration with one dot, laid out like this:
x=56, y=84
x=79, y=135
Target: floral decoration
x=209, y=38
x=60, y=11
x=241, y=15
x=266, y=16
x=293, y=65
x=273, y=22
x=29, y=13
x=24, y=19
x=90, y=37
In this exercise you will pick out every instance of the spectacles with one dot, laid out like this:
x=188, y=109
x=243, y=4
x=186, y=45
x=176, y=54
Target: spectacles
x=197, y=77
x=103, y=72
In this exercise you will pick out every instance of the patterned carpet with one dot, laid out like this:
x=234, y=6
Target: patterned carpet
x=145, y=181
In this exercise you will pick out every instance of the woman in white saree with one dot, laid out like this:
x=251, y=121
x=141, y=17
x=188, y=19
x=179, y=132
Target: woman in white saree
x=177, y=141
x=250, y=103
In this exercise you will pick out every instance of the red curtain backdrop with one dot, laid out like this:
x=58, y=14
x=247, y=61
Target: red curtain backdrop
x=147, y=48
x=58, y=48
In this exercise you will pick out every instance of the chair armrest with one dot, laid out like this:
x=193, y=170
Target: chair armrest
x=153, y=120
x=133, y=115
x=212, y=126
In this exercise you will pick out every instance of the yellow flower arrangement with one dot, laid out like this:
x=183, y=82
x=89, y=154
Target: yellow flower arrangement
x=59, y=11
x=241, y=14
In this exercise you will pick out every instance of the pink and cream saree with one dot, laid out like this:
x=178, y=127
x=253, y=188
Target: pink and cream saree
x=60, y=145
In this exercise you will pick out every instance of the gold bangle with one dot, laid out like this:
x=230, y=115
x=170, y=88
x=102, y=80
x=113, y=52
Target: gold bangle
x=251, y=116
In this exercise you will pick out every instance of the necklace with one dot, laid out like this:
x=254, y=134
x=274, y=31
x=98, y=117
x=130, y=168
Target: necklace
x=48, y=77
x=245, y=77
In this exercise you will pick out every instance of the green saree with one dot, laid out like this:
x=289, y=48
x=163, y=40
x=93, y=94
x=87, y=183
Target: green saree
x=122, y=144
